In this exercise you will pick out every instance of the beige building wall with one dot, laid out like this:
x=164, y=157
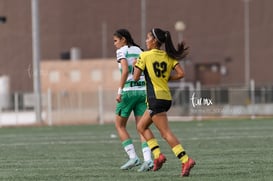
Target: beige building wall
x=79, y=76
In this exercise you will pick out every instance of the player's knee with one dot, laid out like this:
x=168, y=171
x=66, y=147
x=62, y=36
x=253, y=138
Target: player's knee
x=140, y=128
x=120, y=126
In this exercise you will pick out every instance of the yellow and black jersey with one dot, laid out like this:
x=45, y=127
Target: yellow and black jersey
x=157, y=67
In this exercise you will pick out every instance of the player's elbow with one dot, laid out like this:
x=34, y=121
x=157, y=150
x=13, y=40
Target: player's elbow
x=181, y=75
x=136, y=78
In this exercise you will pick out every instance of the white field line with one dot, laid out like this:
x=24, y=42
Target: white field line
x=116, y=140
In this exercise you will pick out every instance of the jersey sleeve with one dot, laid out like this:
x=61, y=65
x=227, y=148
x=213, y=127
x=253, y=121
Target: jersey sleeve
x=120, y=54
x=140, y=62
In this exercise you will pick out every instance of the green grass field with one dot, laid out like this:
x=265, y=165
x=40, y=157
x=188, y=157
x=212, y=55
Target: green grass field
x=224, y=150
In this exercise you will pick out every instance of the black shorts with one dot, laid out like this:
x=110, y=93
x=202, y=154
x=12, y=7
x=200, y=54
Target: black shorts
x=156, y=106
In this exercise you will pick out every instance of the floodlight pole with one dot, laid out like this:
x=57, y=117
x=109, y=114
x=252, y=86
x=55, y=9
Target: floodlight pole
x=143, y=23
x=36, y=57
x=180, y=26
x=247, y=41
x=104, y=39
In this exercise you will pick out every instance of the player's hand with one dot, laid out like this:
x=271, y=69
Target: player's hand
x=118, y=98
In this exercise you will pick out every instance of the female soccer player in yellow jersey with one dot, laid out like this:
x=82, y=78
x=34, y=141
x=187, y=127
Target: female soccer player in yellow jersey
x=157, y=66
x=131, y=96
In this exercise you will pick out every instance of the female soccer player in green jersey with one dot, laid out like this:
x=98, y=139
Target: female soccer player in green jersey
x=131, y=97
x=157, y=66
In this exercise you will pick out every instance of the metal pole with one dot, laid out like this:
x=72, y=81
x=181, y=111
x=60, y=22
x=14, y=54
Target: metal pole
x=0, y=117
x=143, y=23
x=16, y=107
x=36, y=57
x=101, y=111
x=252, y=91
x=49, y=107
x=180, y=36
x=247, y=42
x=104, y=39
x=180, y=26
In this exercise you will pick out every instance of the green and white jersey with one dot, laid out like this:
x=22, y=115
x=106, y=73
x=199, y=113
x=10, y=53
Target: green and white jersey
x=130, y=54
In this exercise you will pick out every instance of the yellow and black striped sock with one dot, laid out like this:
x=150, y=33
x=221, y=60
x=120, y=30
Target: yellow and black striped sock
x=154, y=146
x=180, y=153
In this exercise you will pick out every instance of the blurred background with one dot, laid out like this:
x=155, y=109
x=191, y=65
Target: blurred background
x=57, y=59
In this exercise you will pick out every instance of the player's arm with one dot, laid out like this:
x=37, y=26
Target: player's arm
x=139, y=67
x=137, y=73
x=124, y=75
x=178, y=73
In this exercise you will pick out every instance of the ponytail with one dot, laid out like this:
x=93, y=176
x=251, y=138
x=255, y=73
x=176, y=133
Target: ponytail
x=165, y=37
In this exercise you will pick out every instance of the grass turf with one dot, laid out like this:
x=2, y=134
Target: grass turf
x=224, y=150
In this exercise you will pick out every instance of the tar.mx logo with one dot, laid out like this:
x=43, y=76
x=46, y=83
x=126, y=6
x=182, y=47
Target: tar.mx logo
x=199, y=101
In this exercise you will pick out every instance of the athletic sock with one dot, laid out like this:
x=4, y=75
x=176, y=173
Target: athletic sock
x=180, y=153
x=154, y=146
x=146, y=151
x=129, y=148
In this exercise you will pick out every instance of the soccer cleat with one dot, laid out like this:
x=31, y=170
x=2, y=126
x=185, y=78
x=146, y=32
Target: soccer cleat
x=159, y=162
x=186, y=167
x=130, y=164
x=146, y=166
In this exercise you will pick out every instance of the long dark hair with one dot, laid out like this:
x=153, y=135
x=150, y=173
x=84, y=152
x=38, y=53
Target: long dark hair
x=127, y=35
x=165, y=37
